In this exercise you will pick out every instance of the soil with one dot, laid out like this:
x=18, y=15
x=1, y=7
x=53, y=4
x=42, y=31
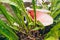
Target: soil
x=35, y=36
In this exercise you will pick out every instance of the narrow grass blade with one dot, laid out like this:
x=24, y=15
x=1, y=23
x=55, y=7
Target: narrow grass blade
x=34, y=7
x=20, y=16
x=7, y=31
x=9, y=18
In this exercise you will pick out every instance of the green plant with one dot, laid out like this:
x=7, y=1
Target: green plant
x=16, y=22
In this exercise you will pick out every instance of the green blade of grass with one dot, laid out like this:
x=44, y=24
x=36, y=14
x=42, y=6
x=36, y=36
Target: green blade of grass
x=19, y=4
x=7, y=31
x=53, y=31
x=20, y=16
x=17, y=13
x=56, y=13
x=9, y=2
x=9, y=18
x=34, y=7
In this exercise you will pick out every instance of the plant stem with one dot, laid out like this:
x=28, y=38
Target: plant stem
x=34, y=7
